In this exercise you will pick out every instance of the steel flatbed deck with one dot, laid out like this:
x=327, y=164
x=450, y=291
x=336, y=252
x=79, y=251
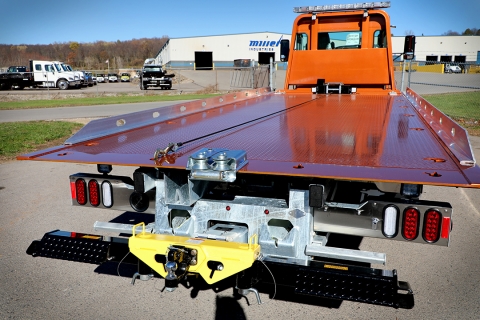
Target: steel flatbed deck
x=387, y=138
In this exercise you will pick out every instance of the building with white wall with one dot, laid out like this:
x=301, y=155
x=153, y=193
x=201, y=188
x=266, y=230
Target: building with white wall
x=207, y=52
x=460, y=49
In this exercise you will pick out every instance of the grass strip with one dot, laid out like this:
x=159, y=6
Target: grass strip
x=91, y=101
x=463, y=107
x=23, y=137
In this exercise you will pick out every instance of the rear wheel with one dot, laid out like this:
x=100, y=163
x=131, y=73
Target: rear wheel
x=5, y=86
x=62, y=84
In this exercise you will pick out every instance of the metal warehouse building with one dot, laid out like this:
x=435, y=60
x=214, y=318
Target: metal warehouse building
x=220, y=51
x=460, y=49
x=208, y=52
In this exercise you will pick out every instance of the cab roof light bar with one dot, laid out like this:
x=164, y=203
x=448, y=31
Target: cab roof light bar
x=343, y=7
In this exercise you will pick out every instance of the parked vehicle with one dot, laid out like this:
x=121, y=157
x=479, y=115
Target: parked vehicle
x=450, y=68
x=153, y=75
x=67, y=69
x=125, y=77
x=88, y=79
x=112, y=77
x=100, y=78
x=252, y=187
x=17, y=69
x=94, y=78
x=44, y=74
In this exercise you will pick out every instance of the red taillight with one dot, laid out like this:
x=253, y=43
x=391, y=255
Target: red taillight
x=72, y=190
x=411, y=219
x=431, y=226
x=94, y=192
x=81, y=191
x=446, y=227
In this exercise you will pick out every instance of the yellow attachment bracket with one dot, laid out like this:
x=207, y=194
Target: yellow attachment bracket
x=234, y=256
x=137, y=225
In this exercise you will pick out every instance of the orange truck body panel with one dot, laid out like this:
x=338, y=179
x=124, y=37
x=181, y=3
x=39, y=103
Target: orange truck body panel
x=368, y=68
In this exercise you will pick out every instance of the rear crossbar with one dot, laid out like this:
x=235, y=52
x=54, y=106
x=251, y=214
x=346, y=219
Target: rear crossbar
x=319, y=279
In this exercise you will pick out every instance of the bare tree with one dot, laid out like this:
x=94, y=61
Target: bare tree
x=126, y=54
x=450, y=33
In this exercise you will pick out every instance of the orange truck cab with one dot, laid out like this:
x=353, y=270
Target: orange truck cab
x=347, y=50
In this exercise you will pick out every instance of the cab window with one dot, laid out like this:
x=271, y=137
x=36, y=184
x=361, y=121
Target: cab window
x=339, y=40
x=301, y=41
x=379, y=39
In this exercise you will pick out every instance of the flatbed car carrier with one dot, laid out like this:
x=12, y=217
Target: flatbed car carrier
x=250, y=186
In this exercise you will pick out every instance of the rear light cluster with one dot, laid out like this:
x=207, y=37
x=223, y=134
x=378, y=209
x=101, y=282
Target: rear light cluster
x=434, y=225
x=411, y=221
x=92, y=192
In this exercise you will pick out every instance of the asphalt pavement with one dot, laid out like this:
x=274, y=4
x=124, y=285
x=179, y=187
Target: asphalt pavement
x=35, y=198
x=196, y=81
x=99, y=111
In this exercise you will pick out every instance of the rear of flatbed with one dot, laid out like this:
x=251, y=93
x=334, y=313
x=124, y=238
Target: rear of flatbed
x=250, y=186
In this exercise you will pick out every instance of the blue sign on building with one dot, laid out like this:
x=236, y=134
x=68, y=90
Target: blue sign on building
x=264, y=45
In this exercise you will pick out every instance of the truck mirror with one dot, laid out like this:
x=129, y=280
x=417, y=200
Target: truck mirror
x=409, y=47
x=284, y=49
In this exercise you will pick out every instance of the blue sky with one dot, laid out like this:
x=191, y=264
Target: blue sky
x=44, y=22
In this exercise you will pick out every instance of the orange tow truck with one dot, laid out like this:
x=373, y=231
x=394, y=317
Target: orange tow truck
x=250, y=187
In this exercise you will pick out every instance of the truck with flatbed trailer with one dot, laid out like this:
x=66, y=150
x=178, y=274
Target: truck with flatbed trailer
x=42, y=74
x=249, y=188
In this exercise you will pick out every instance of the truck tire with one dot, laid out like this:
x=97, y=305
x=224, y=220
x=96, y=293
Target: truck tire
x=5, y=86
x=62, y=84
